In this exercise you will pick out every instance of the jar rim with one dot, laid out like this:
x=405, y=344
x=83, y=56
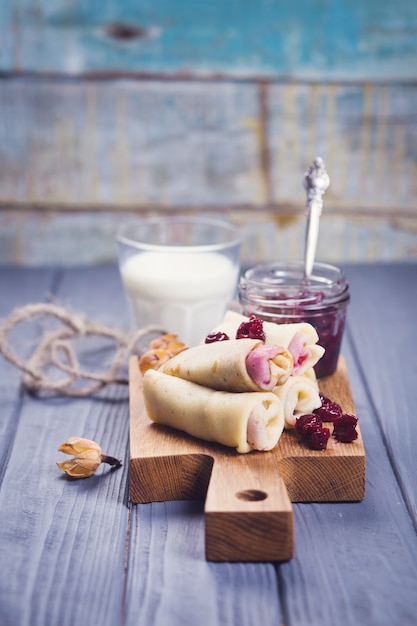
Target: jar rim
x=282, y=284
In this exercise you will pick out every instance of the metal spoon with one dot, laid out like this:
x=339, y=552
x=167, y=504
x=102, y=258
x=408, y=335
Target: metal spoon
x=316, y=181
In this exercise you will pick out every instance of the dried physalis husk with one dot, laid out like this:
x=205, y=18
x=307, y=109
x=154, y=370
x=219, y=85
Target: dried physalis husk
x=160, y=350
x=153, y=359
x=87, y=457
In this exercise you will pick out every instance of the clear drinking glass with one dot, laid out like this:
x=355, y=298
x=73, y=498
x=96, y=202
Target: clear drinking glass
x=277, y=292
x=179, y=272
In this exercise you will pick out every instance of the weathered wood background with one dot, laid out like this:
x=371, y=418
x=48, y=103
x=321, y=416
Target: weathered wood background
x=118, y=107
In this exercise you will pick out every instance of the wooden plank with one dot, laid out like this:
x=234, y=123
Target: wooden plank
x=128, y=143
x=48, y=236
x=89, y=151
x=17, y=289
x=167, y=544
x=63, y=542
x=388, y=362
x=64, y=527
x=365, y=133
x=366, y=553
x=348, y=39
x=154, y=145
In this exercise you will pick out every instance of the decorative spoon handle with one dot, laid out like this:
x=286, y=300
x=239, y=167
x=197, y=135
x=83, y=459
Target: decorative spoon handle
x=316, y=181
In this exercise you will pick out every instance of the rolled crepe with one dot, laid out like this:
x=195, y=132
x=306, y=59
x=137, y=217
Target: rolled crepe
x=245, y=421
x=310, y=373
x=299, y=395
x=237, y=365
x=299, y=339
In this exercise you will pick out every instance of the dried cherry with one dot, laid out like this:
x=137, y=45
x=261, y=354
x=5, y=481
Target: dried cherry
x=213, y=337
x=344, y=424
x=305, y=422
x=309, y=428
x=252, y=329
x=319, y=438
x=344, y=428
x=328, y=410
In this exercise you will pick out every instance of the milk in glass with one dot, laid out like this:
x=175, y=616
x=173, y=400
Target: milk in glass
x=186, y=294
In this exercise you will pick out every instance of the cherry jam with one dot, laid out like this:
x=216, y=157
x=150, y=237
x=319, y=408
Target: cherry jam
x=277, y=292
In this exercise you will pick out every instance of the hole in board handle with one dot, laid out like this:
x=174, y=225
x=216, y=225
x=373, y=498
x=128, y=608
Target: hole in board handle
x=251, y=495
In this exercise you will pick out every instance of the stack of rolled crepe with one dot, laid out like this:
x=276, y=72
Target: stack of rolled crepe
x=240, y=392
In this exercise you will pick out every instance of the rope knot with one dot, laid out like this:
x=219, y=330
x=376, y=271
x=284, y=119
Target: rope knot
x=55, y=348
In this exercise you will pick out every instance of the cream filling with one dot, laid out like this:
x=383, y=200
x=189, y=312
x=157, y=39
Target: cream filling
x=264, y=427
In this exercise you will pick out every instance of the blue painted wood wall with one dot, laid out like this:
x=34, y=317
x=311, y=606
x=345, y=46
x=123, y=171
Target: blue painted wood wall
x=115, y=107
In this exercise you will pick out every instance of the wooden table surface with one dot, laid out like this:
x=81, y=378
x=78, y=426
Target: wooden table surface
x=76, y=552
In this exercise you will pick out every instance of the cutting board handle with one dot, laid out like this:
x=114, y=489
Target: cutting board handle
x=247, y=510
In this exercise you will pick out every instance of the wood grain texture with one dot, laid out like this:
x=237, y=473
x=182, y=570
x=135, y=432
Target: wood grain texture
x=247, y=497
x=62, y=543
x=307, y=38
x=366, y=552
x=171, y=582
x=33, y=285
x=58, y=563
x=155, y=144
x=355, y=128
x=390, y=356
x=90, y=153
x=155, y=107
x=248, y=514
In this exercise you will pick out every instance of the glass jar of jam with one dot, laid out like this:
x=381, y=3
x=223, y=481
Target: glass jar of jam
x=277, y=292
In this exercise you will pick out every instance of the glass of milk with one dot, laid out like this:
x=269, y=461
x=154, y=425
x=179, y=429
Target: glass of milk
x=179, y=273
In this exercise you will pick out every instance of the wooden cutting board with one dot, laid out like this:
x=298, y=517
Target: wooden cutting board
x=248, y=512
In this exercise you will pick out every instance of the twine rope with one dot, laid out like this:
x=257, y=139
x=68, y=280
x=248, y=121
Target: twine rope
x=55, y=348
